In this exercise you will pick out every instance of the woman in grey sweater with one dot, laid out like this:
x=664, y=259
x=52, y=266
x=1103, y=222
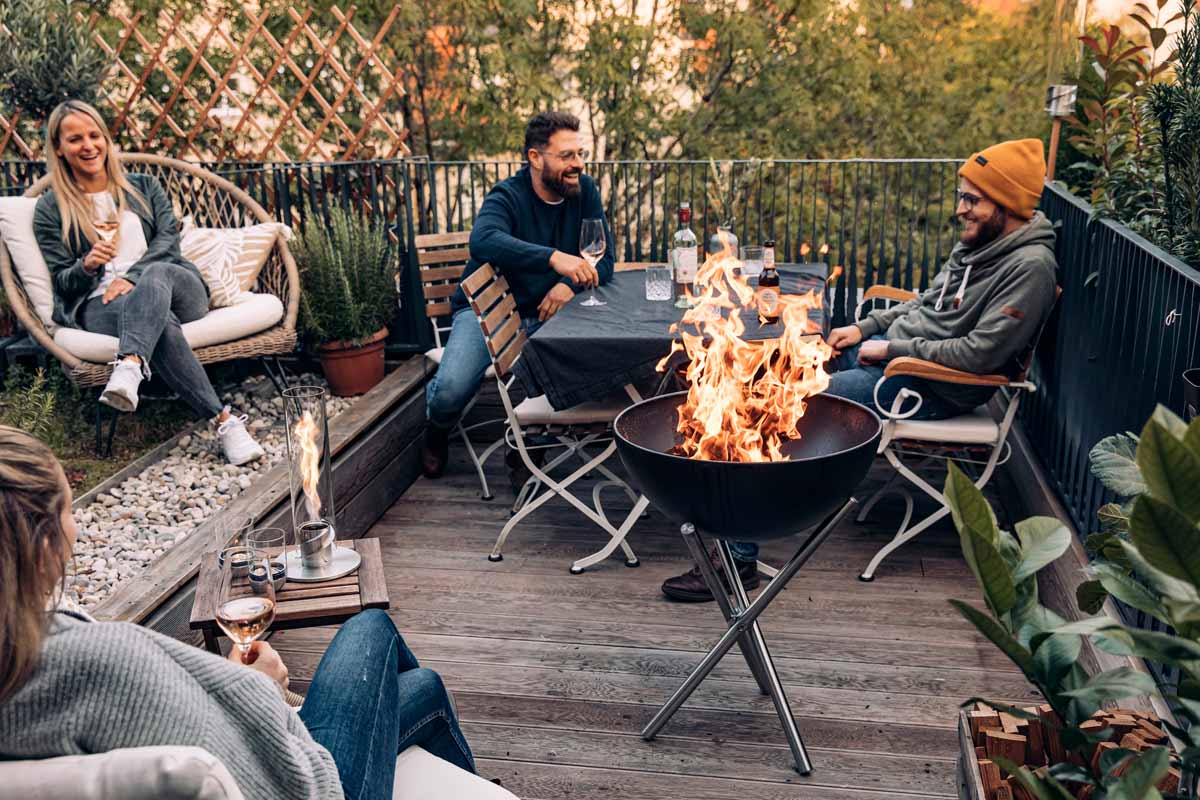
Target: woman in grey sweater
x=111, y=242
x=73, y=686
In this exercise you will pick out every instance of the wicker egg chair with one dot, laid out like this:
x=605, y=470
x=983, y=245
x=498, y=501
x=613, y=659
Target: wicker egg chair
x=212, y=202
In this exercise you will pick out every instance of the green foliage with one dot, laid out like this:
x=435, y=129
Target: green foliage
x=348, y=277
x=28, y=403
x=47, y=56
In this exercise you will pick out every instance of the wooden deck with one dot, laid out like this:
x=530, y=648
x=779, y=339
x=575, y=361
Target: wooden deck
x=555, y=675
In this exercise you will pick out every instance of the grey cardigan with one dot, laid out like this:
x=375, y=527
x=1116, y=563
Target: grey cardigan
x=72, y=284
x=100, y=686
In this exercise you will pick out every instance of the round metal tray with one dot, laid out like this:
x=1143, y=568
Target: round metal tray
x=343, y=563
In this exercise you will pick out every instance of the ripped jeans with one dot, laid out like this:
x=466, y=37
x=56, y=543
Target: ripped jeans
x=370, y=700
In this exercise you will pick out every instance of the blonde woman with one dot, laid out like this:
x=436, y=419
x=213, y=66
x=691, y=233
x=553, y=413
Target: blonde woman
x=71, y=686
x=132, y=284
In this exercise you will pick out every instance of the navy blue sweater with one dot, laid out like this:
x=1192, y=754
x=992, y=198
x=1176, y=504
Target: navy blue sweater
x=516, y=232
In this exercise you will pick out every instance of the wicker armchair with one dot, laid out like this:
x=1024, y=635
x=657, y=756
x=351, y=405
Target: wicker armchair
x=214, y=202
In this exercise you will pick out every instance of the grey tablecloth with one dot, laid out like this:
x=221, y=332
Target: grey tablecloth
x=584, y=354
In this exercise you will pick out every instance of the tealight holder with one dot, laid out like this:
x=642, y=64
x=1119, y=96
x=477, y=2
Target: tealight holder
x=258, y=576
x=240, y=556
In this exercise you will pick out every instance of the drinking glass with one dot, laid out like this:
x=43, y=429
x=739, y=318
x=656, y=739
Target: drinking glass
x=231, y=538
x=266, y=543
x=658, y=283
x=752, y=261
x=592, y=243
x=241, y=613
x=104, y=217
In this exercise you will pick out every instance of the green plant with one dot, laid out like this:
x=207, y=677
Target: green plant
x=348, y=279
x=28, y=403
x=47, y=55
x=1046, y=648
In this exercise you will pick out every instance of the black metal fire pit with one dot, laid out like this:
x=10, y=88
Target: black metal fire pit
x=749, y=502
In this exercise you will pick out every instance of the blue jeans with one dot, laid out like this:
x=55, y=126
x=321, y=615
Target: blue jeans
x=370, y=700
x=148, y=324
x=464, y=363
x=855, y=381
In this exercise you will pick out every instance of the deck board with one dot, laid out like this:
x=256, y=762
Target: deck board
x=554, y=674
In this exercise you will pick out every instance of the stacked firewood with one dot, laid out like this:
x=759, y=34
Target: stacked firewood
x=1034, y=743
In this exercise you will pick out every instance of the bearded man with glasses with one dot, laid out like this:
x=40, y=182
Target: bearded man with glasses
x=528, y=229
x=982, y=312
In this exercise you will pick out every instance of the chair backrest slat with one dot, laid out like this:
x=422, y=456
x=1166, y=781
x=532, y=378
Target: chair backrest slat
x=455, y=255
x=494, y=306
x=441, y=259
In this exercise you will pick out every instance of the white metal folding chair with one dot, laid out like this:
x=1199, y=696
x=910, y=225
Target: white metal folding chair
x=974, y=440
x=574, y=429
x=441, y=258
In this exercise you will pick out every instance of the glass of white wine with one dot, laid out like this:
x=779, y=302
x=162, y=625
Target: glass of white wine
x=592, y=243
x=105, y=218
x=241, y=613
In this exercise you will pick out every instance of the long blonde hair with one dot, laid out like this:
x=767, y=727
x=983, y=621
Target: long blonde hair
x=73, y=203
x=33, y=550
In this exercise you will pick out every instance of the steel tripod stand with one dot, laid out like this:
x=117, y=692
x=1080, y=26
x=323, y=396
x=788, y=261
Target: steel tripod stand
x=742, y=616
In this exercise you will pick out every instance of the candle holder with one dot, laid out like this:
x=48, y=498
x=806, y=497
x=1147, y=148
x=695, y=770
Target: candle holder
x=316, y=556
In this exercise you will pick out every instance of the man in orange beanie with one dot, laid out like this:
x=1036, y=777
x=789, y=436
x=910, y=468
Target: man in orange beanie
x=980, y=315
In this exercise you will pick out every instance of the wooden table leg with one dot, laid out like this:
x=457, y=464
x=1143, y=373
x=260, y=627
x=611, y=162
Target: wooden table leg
x=210, y=640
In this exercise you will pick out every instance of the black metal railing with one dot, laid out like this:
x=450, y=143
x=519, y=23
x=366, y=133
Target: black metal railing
x=884, y=221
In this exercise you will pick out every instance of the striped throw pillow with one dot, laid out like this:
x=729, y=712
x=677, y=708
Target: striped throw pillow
x=229, y=259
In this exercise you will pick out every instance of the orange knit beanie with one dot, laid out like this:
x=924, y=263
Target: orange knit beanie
x=1011, y=174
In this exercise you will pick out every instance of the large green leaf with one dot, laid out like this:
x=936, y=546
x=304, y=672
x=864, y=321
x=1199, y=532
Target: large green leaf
x=1113, y=518
x=1166, y=539
x=998, y=636
x=1043, y=539
x=1054, y=657
x=1114, y=684
x=1171, y=470
x=1128, y=590
x=1161, y=582
x=1114, y=461
x=1165, y=648
x=1141, y=776
x=980, y=541
x=968, y=506
x=1090, y=596
x=1191, y=437
x=1042, y=788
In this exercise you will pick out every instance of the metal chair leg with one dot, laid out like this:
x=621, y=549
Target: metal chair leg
x=106, y=451
x=742, y=624
x=275, y=371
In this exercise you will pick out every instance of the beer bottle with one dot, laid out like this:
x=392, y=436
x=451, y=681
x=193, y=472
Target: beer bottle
x=768, y=286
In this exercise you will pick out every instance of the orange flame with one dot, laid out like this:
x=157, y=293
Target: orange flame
x=305, y=433
x=745, y=398
x=834, y=274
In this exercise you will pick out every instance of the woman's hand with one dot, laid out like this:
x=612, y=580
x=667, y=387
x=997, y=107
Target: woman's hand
x=101, y=253
x=115, y=289
x=263, y=658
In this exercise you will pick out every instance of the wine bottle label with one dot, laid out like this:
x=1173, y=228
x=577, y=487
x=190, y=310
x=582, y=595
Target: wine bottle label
x=685, y=264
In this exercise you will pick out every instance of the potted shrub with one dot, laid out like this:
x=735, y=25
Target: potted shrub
x=348, y=296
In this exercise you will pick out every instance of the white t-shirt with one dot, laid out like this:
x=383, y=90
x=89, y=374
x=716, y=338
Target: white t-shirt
x=131, y=243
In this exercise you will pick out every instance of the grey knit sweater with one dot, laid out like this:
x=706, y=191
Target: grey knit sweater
x=105, y=685
x=982, y=312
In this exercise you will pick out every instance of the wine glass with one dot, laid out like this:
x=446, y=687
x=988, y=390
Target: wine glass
x=592, y=243
x=105, y=218
x=245, y=614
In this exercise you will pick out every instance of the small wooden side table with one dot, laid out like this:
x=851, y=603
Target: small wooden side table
x=300, y=605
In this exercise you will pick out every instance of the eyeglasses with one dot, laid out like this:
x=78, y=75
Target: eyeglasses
x=569, y=155
x=966, y=198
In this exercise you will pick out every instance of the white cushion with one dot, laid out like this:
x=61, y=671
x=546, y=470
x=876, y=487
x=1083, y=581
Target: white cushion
x=975, y=427
x=421, y=776
x=435, y=355
x=538, y=411
x=135, y=773
x=251, y=314
x=16, y=229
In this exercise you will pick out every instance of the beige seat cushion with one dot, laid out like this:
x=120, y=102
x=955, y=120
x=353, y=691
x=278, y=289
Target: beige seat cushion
x=538, y=411
x=135, y=773
x=252, y=313
x=976, y=427
x=435, y=355
x=16, y=229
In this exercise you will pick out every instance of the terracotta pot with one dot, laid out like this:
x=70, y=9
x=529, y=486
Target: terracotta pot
x=351, y=369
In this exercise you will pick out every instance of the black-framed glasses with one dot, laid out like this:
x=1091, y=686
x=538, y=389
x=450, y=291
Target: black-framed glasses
x=965, y=198
x=569, y=155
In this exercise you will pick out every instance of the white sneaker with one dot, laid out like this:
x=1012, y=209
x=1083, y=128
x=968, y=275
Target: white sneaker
x=237, y=443
x=121, y=392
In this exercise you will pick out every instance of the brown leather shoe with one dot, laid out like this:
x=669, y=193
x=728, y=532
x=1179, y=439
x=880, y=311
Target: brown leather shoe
x=691, y=588
x=435, y=451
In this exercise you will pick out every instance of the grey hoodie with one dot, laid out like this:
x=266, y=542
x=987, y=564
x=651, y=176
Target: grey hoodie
x=982, y=312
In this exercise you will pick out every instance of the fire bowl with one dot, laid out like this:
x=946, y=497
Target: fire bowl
x=750, y=501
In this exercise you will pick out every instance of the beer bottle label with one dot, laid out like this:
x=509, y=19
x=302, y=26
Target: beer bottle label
x=768, y=302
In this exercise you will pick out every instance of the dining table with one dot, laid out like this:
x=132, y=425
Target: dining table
x=586, y=353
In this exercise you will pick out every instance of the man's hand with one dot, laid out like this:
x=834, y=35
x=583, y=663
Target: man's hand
x=873, y=352
x=115, y=289
x=581, y=272
x=555, y=299
x=841, y=338
x=263, y=658
x=101, y=253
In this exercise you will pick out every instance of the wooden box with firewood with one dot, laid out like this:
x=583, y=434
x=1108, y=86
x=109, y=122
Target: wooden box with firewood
x=986, y=734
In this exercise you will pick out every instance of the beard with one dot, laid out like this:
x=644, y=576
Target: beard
x=987, y=230
x=555, y=181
